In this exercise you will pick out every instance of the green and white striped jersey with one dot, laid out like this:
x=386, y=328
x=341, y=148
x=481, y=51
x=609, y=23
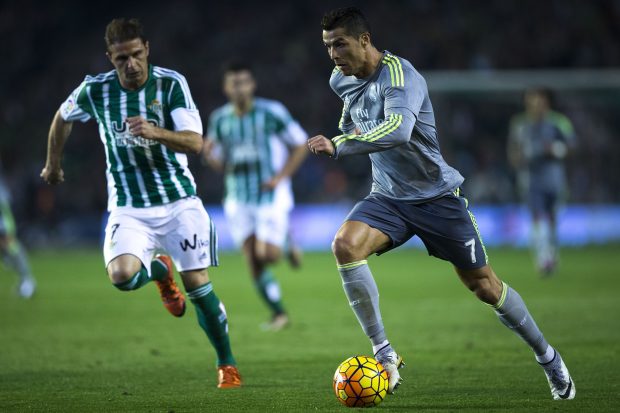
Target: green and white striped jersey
x=140, y=172
x=254, y=147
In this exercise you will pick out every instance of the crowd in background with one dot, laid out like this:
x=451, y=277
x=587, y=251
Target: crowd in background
x=48, y=48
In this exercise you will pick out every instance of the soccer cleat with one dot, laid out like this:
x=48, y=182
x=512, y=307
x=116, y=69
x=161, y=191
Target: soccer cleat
x=228, y=377
x=172, y=297
x=391, y=362
x=277, y=323
x=26, y=288
x=560, y=382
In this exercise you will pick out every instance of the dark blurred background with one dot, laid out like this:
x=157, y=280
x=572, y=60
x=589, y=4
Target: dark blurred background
x=476, y=55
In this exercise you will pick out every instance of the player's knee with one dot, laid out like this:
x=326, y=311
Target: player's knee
x=120, y=277
x=343, y=248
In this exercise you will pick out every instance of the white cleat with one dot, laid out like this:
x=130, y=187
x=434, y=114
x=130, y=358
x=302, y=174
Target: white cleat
x=391, y=362
x=560, y=382
x=26, y=288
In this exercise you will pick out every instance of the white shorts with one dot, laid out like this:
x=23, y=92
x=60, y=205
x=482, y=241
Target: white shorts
x=181, y=229
x=268, y=222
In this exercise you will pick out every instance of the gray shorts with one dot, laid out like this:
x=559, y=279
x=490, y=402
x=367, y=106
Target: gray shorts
x=445, y=225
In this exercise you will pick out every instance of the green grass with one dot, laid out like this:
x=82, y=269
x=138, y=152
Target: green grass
x=82, y=346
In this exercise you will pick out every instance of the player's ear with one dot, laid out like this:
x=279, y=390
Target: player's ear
x=365, y=39
x=146, y=47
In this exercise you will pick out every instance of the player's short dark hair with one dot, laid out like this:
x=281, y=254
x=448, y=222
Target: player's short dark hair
x=349, y=18
x=236, y=66
x=543, y=91
x=123, y=29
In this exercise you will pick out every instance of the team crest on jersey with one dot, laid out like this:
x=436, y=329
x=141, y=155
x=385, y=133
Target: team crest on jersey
x=68, y=107
x=156, y=107
x=373, y=92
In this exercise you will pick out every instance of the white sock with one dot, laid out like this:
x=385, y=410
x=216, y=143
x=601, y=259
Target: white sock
x=547, y=357
x=379, y=346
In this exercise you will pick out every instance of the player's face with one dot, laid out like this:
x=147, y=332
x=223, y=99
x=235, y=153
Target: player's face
x=347, y=52
x=536, y=104
x=239, y=86
x=130, y=59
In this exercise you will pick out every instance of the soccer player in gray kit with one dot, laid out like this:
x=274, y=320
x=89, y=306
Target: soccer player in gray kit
x=388, y=114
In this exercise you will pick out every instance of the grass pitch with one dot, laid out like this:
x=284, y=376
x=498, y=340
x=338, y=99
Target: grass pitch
x=82, y=346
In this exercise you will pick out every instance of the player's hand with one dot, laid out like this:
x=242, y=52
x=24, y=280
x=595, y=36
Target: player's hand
x=271, y=184
x=321, y=145
x=53, y=175
x=138, y=126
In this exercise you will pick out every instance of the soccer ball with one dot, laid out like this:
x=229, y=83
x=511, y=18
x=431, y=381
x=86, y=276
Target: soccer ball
x=360, y=381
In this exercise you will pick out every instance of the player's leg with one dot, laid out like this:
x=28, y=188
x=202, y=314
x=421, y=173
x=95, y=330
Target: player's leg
x=513, y=313
x=294, y=254
x=459, y=242
x=213, y=320
x=353, y=243
x=271, y=233
x=541, y=231
x=14, y=254
x=128, y=248
x=191, y=241
x=260, y=255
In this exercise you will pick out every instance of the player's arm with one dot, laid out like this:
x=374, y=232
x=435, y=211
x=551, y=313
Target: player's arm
x=295, y=137
x=402, y=103
x=294, y=161
x=185, y=141
x=59, y=132
x=394, y=131
x=514, y=148
x=211, y=154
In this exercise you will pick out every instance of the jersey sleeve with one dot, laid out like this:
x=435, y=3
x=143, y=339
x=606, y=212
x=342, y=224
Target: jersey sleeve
x=77, y=107
x=346, y=124
x=183, y=110
x=213, y=130
x=403, y=95
x=288, y=129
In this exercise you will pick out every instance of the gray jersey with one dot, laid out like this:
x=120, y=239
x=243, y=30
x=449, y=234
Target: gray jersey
x=536, y=140
x=390, y=117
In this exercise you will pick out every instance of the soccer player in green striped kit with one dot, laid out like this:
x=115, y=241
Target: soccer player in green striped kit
x=147, y=123
x=259, y=146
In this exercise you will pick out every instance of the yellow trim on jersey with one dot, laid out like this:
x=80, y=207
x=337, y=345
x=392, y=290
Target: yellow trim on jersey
x=350, y=265
x=397, y=76
x=384, y=129
x=392, y=125
x=341, y=123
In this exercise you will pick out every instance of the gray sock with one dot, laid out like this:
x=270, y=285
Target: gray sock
x=15, y=258
x=361, y=290
x=512, y=311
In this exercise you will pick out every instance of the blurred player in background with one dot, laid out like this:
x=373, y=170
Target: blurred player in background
x=259, y=146
x=13, y=252
x=538, y=143
x=388, y=114
x=147, y=123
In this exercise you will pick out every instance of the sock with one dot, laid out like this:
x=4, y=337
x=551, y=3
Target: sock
x=212, y=319
x=159, y=271
x=547, y=357
x=378, y=347
x=513, y=313
x=542, y=243
x=269, y=289
x=15, y=258
x=361, y=290
x=138, y=280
